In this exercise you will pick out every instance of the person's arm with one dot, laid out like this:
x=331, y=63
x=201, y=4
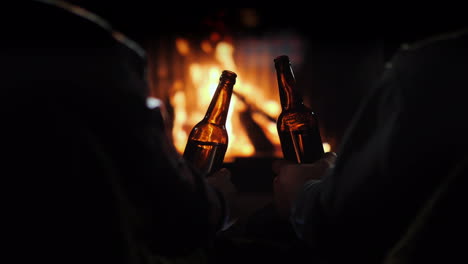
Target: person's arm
x=90, y=169
x=353, y=209
x=394, y=155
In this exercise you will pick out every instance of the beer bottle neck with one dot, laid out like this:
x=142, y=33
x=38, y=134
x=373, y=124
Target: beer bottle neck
x=218, y=110
x=289, y=95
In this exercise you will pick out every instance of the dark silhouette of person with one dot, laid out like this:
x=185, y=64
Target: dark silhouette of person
x=89, y=170
x=403, y=146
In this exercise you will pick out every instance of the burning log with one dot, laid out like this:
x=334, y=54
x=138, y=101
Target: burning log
x=253, y=108
x=259, y=140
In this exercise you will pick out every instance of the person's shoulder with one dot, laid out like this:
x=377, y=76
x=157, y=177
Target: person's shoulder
x=439, y=40
x=434, y=67
x=63, y=24
x=51, y=25
x=435, y=48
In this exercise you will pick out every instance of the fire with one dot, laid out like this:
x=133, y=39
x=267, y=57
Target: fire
x=255, y=95
x=204, y=77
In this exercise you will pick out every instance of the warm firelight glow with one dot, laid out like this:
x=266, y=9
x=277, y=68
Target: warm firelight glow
x=180, y=119
x=224, y=54
x=205, y=77
x=326, y=147
x=206, y=46
x=182, y=46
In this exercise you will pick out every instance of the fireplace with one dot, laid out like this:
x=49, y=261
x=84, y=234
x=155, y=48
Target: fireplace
x=185, y=65
x=184, y=72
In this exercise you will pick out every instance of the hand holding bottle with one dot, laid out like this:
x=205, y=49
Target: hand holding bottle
x=292, y=177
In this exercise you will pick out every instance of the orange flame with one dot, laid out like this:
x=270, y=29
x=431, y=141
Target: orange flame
x=203, y=77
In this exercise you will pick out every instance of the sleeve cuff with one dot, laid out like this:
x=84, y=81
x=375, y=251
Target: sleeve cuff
x=225, y=219
x=301, y=208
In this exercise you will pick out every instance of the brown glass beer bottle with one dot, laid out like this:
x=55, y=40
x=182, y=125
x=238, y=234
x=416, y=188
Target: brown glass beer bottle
x=297, y=124
x=208, y=139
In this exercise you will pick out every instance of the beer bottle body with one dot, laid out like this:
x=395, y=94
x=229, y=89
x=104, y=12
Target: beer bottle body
x=206, y=153
x=208, y=140
x=297, y=124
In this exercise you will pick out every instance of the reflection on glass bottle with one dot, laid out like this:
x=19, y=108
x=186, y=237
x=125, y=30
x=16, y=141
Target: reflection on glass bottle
x=208, y=140
x=297, y=124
